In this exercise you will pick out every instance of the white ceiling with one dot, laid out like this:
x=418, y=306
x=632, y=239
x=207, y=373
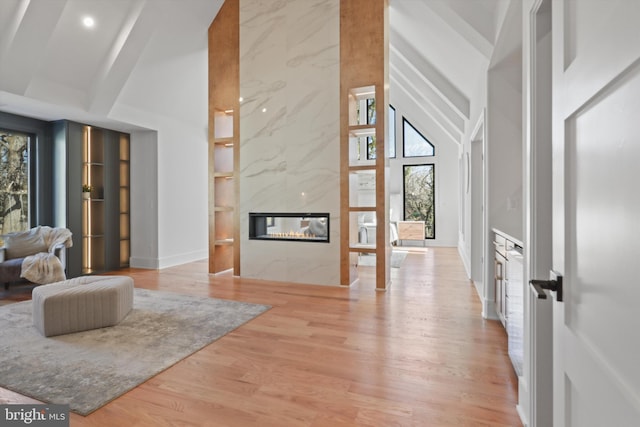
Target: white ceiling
x=51, y=67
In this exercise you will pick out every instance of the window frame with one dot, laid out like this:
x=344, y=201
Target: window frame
x=31, y=173
x=371, y=154
x=404, y=195
x=404, y=139
x=392, y=131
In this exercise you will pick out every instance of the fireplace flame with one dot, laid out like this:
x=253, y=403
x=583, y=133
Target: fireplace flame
x=291, y=235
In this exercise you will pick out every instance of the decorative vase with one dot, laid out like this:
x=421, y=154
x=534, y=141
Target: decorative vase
x=86, y=195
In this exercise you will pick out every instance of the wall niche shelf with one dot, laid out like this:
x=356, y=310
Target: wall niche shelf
x=223, y=152
x=89, y=155
x=365, y=172
x=224, y=147
x=364, y=191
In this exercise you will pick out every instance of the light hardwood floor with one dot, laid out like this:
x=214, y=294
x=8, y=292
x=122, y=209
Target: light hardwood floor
x=417, y=355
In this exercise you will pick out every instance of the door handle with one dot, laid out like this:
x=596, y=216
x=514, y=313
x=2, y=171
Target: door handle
x=554, y=285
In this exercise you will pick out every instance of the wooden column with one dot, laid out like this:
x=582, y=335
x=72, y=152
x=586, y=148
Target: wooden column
x=224, y=142
x=364, y=63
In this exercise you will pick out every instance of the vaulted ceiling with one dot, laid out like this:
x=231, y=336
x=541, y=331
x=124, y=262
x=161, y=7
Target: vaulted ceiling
x=439, y=52
x=52, y=67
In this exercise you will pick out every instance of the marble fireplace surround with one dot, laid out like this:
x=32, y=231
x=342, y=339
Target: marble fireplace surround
x=289, y=149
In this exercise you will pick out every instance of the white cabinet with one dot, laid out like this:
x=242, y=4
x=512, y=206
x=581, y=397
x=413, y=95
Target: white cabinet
x=500, y=263
x=514, y=293
x=509, y=292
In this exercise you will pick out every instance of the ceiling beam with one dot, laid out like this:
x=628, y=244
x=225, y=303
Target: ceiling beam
x=399, y=82
x=457, y=100
x=407, y=105
x=10, y=21
x=469, y=33
x=34, y=24
x=412, y=81
x=123, y=56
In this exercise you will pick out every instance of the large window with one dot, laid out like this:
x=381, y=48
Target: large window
x=14, y=181
x=371, y=148
x=371, y=140
x=419, y=196
x=414, y=143
x=371, y=120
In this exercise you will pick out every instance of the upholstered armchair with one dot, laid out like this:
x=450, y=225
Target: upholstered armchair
x=36, y=255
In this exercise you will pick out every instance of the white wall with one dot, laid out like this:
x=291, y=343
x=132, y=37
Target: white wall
x=478, y=103
x=173, y=102
x=446, y=168
x=499, y=92
x=144, y=199
x=289, y=154
x=504, y=128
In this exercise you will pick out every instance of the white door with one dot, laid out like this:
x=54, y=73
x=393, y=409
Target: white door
x=596, y=212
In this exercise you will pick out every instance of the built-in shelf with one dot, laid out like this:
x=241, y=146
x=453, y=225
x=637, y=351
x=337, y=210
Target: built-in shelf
x=363, y=248
x=124, y=153
x=364, y=171
x=97, y=157
x=362, y=168
x=224, y=242
x=224, y=141
x=362, y=130
x=223, y=153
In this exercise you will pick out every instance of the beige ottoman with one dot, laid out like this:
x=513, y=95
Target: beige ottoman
x=80, y=304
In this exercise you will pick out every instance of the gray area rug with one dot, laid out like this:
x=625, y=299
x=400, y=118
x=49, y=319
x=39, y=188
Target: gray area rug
x=88, y=369
x=369, y=260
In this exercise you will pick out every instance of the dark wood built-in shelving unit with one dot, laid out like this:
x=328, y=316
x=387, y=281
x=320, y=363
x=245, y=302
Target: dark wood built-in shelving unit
x=88, y=155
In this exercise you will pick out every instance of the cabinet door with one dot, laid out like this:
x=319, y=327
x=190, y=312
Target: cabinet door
x=499, y=270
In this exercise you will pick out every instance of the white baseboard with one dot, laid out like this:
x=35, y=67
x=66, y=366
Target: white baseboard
x=489, y=310
x=479, y=289
x=465, y=260
x=148, y=263
x=523, y=401
x=522, y=416
x=427, y=243
x=179, y=259
x=170, y=261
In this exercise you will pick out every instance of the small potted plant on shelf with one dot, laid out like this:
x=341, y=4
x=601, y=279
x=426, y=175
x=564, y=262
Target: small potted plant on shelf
x=86, y=191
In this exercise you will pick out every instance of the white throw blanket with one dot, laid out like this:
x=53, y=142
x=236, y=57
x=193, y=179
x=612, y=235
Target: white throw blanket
x=42, y=268
x=45, y=267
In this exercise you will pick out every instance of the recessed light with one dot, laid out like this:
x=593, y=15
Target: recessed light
x=264, y=110
x=88, y=22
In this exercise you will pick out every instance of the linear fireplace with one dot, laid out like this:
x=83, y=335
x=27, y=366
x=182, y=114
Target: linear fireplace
x=300, y=227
